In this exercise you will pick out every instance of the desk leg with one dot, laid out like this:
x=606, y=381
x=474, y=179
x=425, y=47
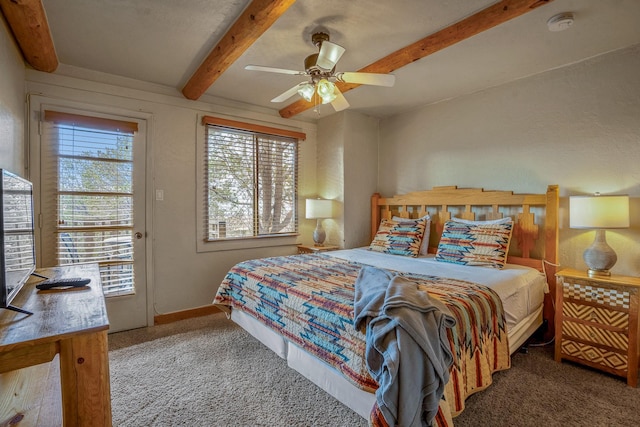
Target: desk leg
x=84, y=374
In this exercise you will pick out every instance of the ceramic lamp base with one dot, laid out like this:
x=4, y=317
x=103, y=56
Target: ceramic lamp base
x=600, y=257
x=319, y=235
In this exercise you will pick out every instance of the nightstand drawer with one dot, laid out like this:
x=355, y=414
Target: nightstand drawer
x=595, y=355
x=596, y=314
x=617, y=340
x=584, y=290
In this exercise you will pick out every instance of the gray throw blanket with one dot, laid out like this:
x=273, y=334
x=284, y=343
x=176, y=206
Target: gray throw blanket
x=407, y=350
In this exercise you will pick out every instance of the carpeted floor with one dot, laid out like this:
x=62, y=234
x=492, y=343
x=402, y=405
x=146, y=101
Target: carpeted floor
x=209, y=372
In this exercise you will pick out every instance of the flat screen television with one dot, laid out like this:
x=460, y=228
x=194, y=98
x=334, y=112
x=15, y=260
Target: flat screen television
x=17, y=237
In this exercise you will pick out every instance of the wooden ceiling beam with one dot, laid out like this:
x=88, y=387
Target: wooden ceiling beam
x=28, y=23
x=255, y=20
x=487, y=18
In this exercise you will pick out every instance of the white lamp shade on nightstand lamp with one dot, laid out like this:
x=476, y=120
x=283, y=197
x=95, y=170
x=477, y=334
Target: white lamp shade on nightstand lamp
x=599, y=213
x=319, y=209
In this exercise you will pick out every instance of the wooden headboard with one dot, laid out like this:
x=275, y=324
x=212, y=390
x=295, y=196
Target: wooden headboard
x=535, y=232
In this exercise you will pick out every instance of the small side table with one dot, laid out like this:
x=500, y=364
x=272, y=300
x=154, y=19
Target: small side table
x=311, y=249
x=597, y=322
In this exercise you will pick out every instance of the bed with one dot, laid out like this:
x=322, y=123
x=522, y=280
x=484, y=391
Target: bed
x=302, y=306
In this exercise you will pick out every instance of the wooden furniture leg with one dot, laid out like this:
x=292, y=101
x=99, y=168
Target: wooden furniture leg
x=84, y=373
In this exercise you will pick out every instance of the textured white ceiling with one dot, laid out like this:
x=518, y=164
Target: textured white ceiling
x=164, y=41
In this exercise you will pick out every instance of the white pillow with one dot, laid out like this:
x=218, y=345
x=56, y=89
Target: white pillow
x=424, y=245
x=491, y=221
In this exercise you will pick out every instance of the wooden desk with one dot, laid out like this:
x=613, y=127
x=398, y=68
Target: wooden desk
x=72, y=323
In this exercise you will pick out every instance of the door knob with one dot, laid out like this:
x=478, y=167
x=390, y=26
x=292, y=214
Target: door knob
x=138, y=235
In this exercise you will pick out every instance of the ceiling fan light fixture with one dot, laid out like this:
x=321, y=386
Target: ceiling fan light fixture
x=319, y=68
x=326, y=90
x=328, y=99
x=306, y=91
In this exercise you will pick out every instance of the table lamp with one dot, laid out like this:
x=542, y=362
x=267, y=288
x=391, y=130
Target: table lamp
x=599, y=213
x=319, y=209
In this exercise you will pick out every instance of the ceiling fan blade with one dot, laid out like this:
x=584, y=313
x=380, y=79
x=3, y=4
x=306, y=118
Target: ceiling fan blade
x=329, y=54
x=287, y=94
x=367, y=78
x=274, y=70
x=340, y=103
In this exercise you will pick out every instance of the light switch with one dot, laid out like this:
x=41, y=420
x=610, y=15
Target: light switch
x=160, y=195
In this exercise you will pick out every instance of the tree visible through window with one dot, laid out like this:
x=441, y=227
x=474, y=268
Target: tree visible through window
x=88, y=196
x=251, y=184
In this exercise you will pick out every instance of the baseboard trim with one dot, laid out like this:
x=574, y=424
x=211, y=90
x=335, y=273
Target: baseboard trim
x=174, y=316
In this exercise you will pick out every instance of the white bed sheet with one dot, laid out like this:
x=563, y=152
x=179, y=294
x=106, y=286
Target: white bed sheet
x=520, y=288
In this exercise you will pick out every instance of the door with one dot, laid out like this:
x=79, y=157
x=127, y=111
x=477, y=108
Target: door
x=92, y=180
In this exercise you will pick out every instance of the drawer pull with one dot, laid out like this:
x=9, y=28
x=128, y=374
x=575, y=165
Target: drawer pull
x=592, y=335
x=594, y=295
x=592, y=315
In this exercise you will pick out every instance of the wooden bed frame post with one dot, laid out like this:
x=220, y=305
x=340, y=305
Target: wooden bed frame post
x=551, y=256
x=375, y=214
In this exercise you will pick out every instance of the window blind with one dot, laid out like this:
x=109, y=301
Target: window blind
x=251, y=184
x=87, y=165
x=252, y=127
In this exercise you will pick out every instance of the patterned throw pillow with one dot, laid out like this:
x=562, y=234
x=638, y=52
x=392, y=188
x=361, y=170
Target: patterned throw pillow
x=424, y=246
x=476, y=244
x=399, y=237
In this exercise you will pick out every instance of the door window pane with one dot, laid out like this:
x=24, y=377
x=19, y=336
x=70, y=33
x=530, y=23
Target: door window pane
x=94, y=212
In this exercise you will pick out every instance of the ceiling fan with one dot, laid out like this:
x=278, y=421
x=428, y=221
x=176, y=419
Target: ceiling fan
x=320, y=69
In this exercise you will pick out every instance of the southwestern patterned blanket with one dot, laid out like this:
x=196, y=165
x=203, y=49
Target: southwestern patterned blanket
x=309, y=299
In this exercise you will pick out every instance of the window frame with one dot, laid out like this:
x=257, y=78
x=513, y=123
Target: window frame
x=236, y=243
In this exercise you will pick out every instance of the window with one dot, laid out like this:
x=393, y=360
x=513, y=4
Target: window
x=88, y=203
x=251, y=178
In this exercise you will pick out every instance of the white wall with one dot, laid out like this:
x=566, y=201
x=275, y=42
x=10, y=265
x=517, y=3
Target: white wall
x=181, y=278
x=12, y=111
x=360, y=177
x=347, y=158
x=330, y=173
x=578, y=127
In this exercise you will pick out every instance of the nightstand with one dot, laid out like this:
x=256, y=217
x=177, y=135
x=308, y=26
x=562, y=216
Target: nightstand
x=310, y=249
x=597, y=322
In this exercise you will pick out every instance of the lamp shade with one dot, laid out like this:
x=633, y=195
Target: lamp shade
x=326, y=90
x=599, y=212
x=319, y=208
x=306, y=91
